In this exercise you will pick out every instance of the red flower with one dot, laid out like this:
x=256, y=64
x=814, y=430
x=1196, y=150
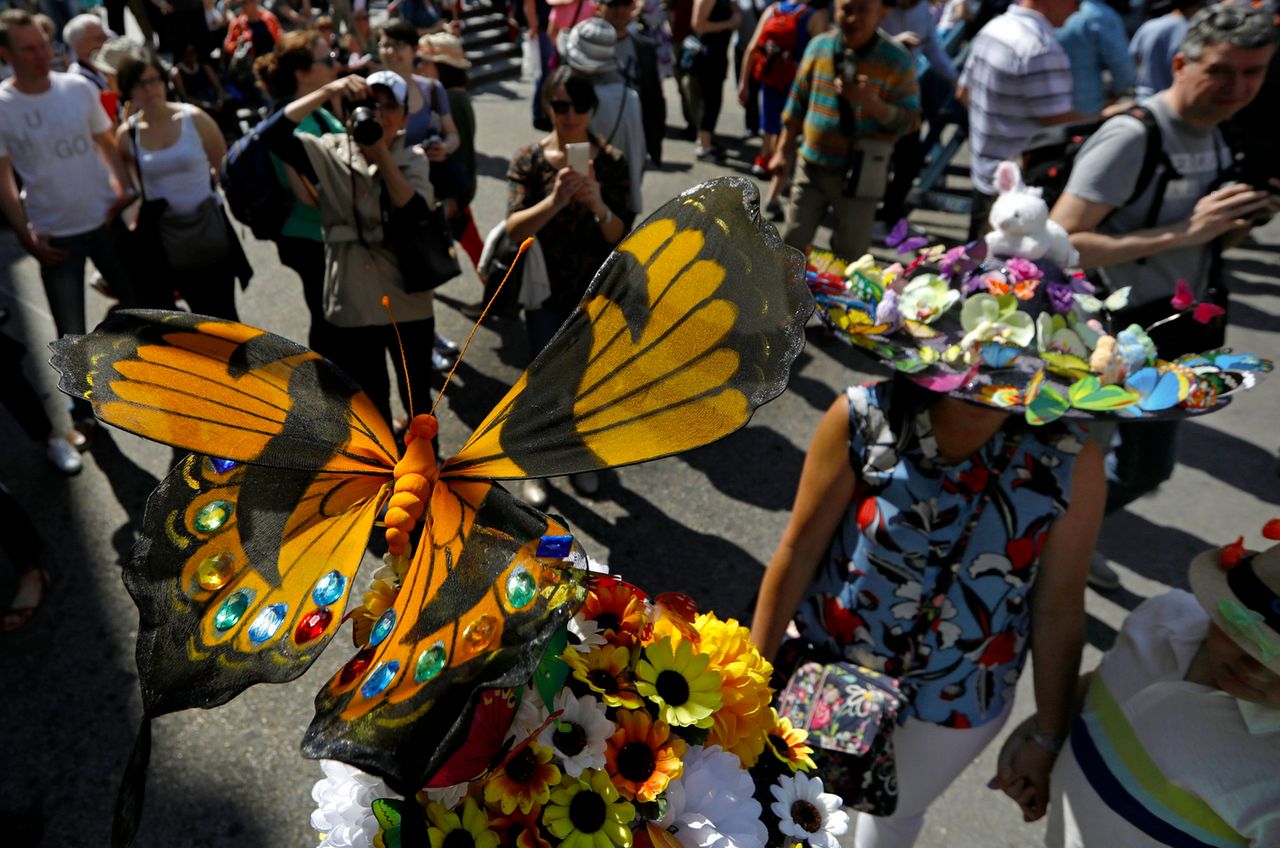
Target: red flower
x=1230, y=555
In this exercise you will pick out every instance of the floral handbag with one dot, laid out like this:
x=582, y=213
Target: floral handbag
x=849, y=711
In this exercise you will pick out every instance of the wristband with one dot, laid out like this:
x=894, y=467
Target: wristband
x=608, y=216
x=1051, y=743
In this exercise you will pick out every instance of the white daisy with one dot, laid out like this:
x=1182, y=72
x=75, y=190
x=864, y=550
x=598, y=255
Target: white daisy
x=448, y=796
x=344, y=799
x=805, y=812
x=579, y=734
x=585, y=634
x=529, y=716
x=712, y=804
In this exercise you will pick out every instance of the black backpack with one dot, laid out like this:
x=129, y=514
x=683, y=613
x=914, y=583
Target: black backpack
x=1050, y=154
x=256, y=198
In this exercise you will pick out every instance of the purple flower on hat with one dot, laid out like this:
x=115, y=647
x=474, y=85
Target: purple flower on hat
x=955, y=262
x=1060, y=292
x=1020, y=269
x=887, y=311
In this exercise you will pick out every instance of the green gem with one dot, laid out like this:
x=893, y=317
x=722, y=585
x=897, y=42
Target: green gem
x=521, y=587
x=430, y=663
x=232, y=609
x=213, y=516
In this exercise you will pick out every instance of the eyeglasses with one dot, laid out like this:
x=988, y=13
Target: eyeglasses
x=148, y=81
x=391, y=46
x=581, y=105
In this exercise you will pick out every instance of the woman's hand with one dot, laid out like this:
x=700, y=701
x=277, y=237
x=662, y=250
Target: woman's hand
x=436, y=150
x=568, y=183
x=352, y=87
x=1023, y=772
x=589, y=194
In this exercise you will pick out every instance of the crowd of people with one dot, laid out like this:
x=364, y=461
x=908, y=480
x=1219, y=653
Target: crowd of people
x=369, y=140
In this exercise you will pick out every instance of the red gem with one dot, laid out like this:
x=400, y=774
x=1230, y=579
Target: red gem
x=1230, y=555
x=312, y=626
x=355, y=667
x=1271, y=530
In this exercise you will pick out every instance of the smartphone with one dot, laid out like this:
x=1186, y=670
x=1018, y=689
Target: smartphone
x=578, y=156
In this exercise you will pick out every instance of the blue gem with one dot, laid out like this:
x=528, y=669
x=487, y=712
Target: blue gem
x=382, y=628
x=222, y=466
x=267, y=622
x=554, y=547
x=380, y=678
x=329, y=589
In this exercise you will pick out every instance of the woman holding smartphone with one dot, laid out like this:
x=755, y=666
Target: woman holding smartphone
x=578, y=216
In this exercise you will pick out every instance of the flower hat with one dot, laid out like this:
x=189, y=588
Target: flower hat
x=1240, y=589
x=1027, y=337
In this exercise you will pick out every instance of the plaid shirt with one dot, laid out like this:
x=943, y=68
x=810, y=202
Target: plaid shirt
x=813, y=109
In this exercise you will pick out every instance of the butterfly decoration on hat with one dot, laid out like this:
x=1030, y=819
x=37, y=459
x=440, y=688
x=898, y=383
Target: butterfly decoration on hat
x=1026, y=336
x=249, y=547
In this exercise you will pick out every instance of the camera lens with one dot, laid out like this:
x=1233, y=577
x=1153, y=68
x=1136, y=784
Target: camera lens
x=365, y=128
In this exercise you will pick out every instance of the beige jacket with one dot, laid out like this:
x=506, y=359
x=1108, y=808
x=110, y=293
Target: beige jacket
x=357, y=274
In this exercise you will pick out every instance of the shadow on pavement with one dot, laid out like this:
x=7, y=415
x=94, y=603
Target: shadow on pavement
x=755, y=465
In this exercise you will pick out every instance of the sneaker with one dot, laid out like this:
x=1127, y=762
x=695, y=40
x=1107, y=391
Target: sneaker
x=82, y=432
x=1101, y=574
x=440, y=362
x=587, y=483
x=447, y=346
x=760, y=167
x=775, y=211
x=534, y=493
x=702, y=154
x=63, y=456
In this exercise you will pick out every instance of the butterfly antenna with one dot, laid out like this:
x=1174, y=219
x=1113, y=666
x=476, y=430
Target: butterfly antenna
x=525, y=245
x=404, y=361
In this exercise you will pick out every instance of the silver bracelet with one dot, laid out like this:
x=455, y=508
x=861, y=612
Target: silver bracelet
x=1046, y=740
x=608, y=216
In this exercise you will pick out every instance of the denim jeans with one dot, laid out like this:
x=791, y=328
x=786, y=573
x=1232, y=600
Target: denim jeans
x=64, y=286
x=1140, y=456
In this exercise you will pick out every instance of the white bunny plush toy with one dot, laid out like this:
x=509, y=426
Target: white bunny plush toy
x=1020, y=224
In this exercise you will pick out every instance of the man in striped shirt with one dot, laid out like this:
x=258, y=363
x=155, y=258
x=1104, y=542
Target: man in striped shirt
x=855, y=94
x=1016, y=80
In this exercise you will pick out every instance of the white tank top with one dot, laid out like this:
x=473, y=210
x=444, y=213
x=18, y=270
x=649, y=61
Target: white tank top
x=178, y=173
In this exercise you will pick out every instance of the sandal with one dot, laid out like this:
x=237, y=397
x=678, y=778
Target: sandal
x=15, y=618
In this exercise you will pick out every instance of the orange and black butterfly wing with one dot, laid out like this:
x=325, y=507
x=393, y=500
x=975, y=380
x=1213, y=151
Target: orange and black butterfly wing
x=241, y=575
x=475, y=610
x=691, y=324
x=226, y=390
x=249, y=546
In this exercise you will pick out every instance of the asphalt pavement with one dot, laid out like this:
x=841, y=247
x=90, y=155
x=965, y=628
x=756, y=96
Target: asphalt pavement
x=702, y=523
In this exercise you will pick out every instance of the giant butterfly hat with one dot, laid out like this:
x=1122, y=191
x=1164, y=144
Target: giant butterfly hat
x=1021, y=334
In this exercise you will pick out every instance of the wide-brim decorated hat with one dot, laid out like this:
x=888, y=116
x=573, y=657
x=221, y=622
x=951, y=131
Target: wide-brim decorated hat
x=1240, y=589
x=1026, y=337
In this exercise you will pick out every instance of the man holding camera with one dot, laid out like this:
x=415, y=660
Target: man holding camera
x=854, y=96
x=1196, y=201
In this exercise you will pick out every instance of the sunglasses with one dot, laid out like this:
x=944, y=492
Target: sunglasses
x=580, y=105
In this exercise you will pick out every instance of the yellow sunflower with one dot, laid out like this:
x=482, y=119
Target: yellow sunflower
x=680, y=682
x=642, y=757
x=589, y=813
x=469, y=830
x=607, y=671
x=741, y=724
x=787, y=743
x=617, y=610
x=525, y=781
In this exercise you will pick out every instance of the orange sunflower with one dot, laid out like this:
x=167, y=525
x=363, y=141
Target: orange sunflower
x=642, y=757
x=524, y=782
x=520, y=830
x=617, y=610
x=607, y=672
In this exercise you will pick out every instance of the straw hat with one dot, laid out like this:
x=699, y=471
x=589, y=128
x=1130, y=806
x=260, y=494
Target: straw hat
x=115, y=52
x=591, y=47
x=1241, y=592
x=443, y=48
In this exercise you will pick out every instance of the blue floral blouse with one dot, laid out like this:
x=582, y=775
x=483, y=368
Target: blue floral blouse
x=908, y=512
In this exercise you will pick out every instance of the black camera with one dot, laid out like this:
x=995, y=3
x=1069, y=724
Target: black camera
x=365, y=128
